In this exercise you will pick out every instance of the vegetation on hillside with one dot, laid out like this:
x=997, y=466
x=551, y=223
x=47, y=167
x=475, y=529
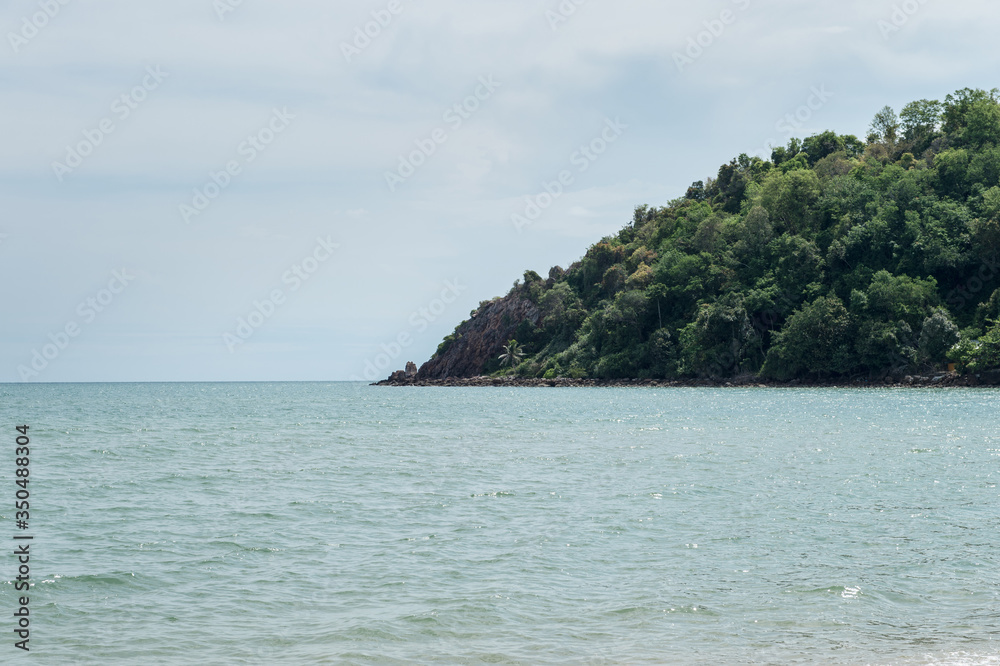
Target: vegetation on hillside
x=837, y=257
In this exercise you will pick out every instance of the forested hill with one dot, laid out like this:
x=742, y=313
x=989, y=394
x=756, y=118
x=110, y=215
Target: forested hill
x=836, y=258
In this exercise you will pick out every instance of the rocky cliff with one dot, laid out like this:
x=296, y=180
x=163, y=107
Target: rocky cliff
x=480, y=339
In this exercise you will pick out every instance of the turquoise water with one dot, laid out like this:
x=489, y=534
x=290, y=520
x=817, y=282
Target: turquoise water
x=347, y=524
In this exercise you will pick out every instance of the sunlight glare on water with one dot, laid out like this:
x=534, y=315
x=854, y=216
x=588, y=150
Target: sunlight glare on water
x=346, y=524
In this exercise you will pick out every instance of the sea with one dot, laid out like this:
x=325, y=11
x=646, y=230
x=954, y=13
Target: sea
x=340, y=523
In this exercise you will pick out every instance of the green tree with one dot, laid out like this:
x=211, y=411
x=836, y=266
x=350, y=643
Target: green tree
x=890, y=310
x=979, y=355
x=895, y=298
x=755, y=233
x=782, y=154
x=714, y=344
x=790, y=198
x=920, y=119
x=662, y=354
x=885, y=128
x=816, y=340
x=613, y=280
x=957, y=107
x=982, y=124
x=951, y=170
x=820, y=145
x=938, y=334
x=512, y=354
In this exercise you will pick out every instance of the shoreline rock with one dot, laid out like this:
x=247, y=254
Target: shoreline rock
x=936, y=380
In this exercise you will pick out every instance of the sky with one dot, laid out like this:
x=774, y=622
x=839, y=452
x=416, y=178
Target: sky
x=243, y=190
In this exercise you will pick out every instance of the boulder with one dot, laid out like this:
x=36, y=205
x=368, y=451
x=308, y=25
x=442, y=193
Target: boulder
x=480, y=339
x=991, y=377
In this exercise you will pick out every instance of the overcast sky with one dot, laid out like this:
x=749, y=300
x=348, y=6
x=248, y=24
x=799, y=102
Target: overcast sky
x=350, y=171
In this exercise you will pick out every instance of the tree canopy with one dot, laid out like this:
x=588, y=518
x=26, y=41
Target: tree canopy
x=836, y=257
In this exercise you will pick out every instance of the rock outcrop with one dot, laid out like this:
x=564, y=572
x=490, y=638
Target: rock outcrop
x=480, y=339
x=944, y=380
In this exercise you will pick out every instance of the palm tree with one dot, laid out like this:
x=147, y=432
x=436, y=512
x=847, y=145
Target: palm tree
x=512, y=354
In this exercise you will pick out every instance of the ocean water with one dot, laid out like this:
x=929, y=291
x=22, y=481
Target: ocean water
x=345, y=524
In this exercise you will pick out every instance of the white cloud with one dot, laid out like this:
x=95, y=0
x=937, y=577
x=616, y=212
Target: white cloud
x=354, y=119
